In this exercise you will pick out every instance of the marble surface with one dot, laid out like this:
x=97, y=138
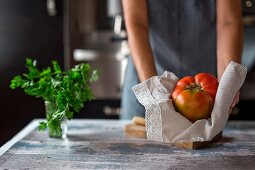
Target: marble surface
x=102, y=144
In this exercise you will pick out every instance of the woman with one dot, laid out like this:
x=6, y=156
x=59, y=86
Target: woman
x=184, y=37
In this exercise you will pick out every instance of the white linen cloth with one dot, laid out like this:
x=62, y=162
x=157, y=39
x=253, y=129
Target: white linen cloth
x=164, y=124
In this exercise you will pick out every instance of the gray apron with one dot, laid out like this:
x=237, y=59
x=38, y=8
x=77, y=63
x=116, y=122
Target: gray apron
x=183, y=41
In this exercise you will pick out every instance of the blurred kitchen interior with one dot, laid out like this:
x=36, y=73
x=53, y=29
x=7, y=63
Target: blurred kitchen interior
x=78, y=31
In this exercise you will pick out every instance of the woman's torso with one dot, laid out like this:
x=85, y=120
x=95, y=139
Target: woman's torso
x=183, y=35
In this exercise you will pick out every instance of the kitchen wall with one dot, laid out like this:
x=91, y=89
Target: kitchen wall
x=27, y=29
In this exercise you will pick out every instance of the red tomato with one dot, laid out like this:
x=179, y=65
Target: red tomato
x=194, y=96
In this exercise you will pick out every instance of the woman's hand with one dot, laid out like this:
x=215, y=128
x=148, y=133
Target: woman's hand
x=235, y=101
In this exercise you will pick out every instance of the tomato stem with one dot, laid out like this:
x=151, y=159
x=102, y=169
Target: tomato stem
x=194, y=87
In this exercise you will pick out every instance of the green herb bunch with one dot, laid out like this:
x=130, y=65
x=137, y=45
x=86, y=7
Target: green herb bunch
x=67, y=89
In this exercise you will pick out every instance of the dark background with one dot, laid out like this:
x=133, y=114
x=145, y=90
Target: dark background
x=26, y=30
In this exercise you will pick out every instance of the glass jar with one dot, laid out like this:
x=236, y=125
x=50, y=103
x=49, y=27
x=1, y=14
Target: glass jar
x=56, y=128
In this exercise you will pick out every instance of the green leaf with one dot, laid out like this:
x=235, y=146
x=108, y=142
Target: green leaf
x=69, y=114
x=17, y=81
x=46, y=72
x=42, y=126
x=75, y=74
x=56, y=67
x=29, y=62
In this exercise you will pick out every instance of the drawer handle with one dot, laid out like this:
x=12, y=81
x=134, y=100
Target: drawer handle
x=51, y=8
x=111, y=111
x=248, y=4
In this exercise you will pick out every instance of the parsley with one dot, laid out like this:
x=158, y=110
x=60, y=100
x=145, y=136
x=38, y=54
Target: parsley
x=67, y=90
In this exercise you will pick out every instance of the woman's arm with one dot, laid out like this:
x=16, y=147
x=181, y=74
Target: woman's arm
x=229, y=33
x=136, y=19
x=229, y=36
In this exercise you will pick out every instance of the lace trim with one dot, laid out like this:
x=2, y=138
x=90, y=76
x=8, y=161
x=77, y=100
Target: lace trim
x=153, y=112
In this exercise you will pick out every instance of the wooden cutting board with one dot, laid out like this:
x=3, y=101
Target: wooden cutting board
x=137, y=129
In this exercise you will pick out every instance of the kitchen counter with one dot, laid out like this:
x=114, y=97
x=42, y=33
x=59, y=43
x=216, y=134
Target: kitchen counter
x=101, y=144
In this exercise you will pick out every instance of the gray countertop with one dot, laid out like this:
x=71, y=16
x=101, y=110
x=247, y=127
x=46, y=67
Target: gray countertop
x=101, y=144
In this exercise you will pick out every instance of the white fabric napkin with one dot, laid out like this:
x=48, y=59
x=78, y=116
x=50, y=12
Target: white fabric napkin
x=164, y=124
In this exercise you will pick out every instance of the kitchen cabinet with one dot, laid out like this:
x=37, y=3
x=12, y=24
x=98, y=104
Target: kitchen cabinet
x=95, y=34
x=27, y=29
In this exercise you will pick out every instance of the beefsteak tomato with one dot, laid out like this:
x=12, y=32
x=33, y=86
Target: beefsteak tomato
x=194, y=97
